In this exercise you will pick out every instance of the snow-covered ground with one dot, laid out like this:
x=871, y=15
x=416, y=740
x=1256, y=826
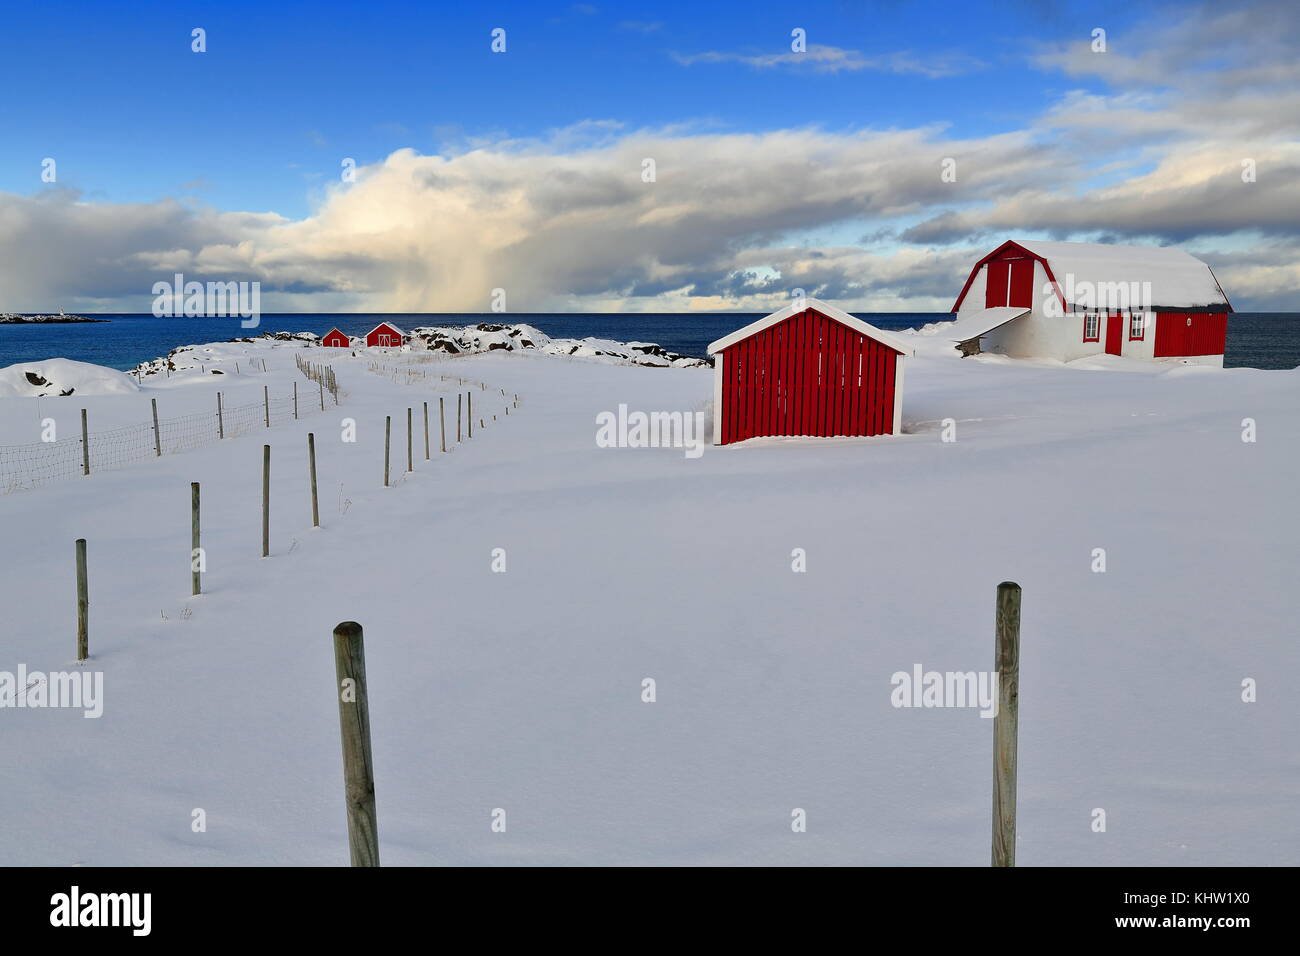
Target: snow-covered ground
x=522, y=690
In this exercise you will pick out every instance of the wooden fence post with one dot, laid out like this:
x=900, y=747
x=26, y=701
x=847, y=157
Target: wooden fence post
x=311, y=457
x=1006, y=724
x=459, y=397
x=469, y=412
x=388, y=430
x=83, y=603
x=354, y=730
x=426, y=431
x=410, y=461
x=266, y=400
x=85, y=445
x=221, y=424
x=157, y=439
x=266, y=501
x=195, y=582
x=295, y=399
x=442, y=427
x=321, y=383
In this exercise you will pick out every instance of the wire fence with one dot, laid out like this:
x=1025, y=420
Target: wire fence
x=28, y=466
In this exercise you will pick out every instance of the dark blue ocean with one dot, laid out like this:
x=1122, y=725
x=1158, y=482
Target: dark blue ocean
x=1255, y=339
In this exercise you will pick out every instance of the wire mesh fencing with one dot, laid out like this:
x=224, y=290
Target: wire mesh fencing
x=31, y=465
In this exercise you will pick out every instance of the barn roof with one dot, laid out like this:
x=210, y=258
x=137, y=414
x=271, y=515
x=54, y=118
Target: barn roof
x=1178, y=279
x=894, y=342
x=389, y=325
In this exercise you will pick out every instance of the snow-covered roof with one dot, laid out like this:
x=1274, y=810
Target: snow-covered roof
x=825, y=308
x=389, y=325
x=1178, y=279
x=971, y=325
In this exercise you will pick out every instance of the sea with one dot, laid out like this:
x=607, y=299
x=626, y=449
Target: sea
x=1255, y=339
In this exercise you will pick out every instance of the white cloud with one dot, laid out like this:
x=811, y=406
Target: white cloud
x=734, y=220
x=821, y=58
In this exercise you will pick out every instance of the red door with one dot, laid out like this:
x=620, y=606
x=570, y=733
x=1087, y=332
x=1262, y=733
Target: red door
x=995, y=289
x=1020, y=284
x=1114, y=333
x=1009, y=282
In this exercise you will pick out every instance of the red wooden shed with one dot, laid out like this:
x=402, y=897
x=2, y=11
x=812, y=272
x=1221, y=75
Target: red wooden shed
x=809, y=369
x=384, y=334
x=335, y=339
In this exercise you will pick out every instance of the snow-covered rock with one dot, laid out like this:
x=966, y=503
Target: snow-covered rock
x=60, y=376
x=220, y=358
x=487, y=337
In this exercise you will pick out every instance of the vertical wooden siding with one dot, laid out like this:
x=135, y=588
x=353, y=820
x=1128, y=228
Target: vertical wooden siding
x=1206, y=334
x=808, y=375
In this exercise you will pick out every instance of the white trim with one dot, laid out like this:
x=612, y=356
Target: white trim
x=898, y=395
x=896, y=343
x=717, y=399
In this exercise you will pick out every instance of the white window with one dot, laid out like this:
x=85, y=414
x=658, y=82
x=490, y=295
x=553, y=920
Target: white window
x=1091, y=325
x=1136, y=326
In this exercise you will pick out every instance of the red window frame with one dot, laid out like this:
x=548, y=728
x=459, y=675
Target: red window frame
x=1141, y=318
x=1096, y=332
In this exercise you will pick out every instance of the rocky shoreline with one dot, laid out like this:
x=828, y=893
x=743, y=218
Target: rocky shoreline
x=13, y=318
x=452, y=340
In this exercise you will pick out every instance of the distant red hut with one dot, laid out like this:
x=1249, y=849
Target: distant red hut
x=384, y=335
x=334, y=339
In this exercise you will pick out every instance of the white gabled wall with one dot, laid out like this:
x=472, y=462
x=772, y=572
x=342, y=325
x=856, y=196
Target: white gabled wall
x=974, y=301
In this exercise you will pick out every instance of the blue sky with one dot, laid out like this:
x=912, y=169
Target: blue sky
x=520, y=169
x=285, y=91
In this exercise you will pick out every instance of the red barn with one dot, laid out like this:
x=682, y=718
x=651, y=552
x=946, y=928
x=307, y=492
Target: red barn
x=1072, y=300
x=384, y=335
x=335, y=339
x=809, y=369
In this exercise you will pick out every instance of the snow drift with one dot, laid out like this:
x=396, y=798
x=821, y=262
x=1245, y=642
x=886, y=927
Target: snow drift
x=60, y=376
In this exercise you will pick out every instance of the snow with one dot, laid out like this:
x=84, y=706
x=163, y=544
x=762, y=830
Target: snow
x=62, y=377
x=1178, y=279
x=974, y=324
x=522, y=690
x=487, y=337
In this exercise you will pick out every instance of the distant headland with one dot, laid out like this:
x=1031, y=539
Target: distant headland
x=13, y=318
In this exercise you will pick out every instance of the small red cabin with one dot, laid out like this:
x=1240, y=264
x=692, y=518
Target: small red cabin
x=809, y=369
x=334, y=339
x=384, y=335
